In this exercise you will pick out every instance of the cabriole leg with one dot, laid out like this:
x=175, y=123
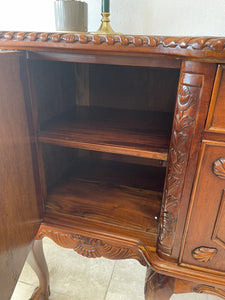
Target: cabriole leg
x=157, y=286
x=36, y=260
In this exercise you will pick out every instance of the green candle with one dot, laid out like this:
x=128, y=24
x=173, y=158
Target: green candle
x=105, y=6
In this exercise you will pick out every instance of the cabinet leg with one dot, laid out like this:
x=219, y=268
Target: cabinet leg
x=157, y=286
x=161, y=287
x=36, y=260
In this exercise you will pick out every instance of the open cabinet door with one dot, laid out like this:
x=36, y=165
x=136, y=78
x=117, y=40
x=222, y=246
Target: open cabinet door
x=20, y=209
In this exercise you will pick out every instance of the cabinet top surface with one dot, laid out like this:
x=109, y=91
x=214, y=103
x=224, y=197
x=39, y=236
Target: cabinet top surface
x=210, y=49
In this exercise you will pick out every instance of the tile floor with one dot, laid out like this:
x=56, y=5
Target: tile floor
x=74, y=277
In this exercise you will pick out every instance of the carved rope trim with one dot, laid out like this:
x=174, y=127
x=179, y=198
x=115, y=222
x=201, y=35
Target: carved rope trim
x=91, y=247
x=193, y=43
x=184, y=121
x=219, y=168
x=204, y=254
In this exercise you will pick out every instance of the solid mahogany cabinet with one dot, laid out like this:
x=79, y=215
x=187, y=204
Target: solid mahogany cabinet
x=114, y=146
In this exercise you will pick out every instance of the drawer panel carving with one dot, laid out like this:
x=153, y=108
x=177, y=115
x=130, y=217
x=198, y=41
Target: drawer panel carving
x=216, y=120
x=219, y=168
x=204, y=254
x=204, y=242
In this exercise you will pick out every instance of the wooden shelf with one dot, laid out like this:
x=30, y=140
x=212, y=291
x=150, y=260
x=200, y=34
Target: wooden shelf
x=136, y=133
x=116, y=197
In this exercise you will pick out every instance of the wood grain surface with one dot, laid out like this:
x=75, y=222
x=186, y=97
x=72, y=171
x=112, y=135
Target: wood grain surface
x=204, y=48
x=110, y=192
x=142, y=134
x=19, y=207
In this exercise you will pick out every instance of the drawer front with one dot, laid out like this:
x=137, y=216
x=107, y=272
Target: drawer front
x=216, y=117
x=205, y=238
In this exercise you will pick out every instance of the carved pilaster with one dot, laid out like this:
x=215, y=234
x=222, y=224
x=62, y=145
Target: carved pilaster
x=189, y=91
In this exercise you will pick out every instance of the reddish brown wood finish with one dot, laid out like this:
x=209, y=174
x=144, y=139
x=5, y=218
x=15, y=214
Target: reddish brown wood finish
x=36, y=260
x=85, y=226
x=158, y=286
x=94, y=58
x=139, y=88
x=125, y=196
x=184, y=286
x=216, y=120
x=94, y=245
x=203, y=48
x=206, y=230
x=20, y=215
x=142, y=134
x=194, y=91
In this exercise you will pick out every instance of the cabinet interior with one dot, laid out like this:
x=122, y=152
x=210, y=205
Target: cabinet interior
x=104, y=134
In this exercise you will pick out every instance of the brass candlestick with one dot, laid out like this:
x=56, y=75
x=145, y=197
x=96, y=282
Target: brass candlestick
x=105, y=27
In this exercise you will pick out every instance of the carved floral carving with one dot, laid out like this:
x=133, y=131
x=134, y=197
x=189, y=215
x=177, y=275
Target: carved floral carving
x=193, y=43
x=91, y=247
x=219, y=168
x=204, y=254
x=211, y=290
x=184, y=122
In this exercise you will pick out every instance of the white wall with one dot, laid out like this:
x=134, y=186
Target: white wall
x=159, y=17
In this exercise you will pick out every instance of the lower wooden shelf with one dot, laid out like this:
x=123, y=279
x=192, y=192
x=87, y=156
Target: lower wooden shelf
x=108, y=196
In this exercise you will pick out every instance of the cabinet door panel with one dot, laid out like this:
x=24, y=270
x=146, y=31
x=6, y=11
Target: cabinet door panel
x=205, y=241
x=20, y=214
x=216, y=120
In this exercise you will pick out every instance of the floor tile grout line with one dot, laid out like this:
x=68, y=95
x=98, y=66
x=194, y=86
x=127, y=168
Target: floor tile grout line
x=27, y=283
x=109, y=281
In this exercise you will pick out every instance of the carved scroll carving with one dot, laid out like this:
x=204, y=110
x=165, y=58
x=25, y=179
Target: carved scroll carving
x=191, y=43
x=219, y=168
x=183, y=128
x=204, y=254
x=211, y=290
x=91, y=247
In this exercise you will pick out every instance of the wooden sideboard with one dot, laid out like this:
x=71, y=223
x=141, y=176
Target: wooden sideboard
x=114, y=146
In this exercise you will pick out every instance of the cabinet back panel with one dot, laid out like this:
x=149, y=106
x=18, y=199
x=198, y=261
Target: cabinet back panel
x=57, y=161
x=137, y=88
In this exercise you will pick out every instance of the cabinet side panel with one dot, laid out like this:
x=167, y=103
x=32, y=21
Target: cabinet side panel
x=20, y=217
x=194, y=91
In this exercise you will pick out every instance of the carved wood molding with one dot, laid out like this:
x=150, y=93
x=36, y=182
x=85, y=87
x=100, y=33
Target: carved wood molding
x=211, y=290
x=92, y=247
x=204, y=254
x=219, y=168
x=183, y=128
x=191, y=43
